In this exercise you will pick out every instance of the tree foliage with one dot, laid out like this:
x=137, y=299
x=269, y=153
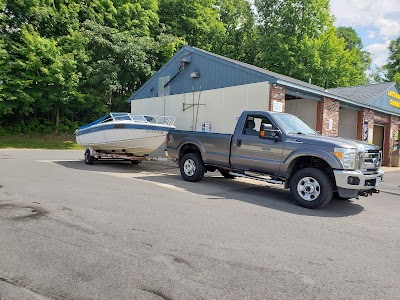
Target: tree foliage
x=74, y=60
x=393, y=63
x=196, y=21
x=64, y=62
x=298, y=39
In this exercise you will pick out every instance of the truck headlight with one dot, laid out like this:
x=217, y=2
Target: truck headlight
x=347, y=157
x=360, y=157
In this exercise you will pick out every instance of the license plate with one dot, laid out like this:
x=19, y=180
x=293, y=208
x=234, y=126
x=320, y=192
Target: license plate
x=378, y=181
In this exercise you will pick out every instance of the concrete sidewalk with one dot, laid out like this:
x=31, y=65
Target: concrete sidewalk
x=390, y=169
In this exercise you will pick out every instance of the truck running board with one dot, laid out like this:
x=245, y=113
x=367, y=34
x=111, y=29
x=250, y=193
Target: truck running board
x=269, y=180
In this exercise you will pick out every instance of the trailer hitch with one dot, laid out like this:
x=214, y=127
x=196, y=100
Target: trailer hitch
x=368, y=192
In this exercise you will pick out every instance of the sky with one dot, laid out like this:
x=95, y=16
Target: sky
x=377, y=22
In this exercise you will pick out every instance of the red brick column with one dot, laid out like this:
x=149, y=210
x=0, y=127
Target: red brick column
x=328, y=116
x=276, y=93
x=367, y=117
x=360, y=125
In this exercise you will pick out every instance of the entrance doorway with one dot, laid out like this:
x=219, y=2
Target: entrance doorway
x=379, y=135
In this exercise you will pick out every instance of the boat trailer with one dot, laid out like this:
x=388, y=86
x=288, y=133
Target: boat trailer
x=92, y=155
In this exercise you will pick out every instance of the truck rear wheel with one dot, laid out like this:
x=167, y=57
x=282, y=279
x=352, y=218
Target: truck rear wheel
x=311, y=188
x=192, y=167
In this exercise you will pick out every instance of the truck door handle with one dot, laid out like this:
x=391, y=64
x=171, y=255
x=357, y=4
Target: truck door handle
x=238, y=142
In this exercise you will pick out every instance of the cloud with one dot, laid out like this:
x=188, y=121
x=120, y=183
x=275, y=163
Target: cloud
x=382, y=15
x=371, y=34
x=379, y=20
x=380, y=52
x=388, y=28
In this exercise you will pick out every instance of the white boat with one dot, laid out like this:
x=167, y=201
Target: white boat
x=125, y=133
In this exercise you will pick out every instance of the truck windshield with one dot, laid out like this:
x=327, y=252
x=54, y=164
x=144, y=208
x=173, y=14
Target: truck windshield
x=293, y=124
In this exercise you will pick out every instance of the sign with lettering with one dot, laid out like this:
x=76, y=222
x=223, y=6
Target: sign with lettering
x=396, y=96
x=277, y=106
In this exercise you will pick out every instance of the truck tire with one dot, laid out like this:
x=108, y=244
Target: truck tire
x=192, y=167
x=89, y=159
x=226, y=174
x=311, y=188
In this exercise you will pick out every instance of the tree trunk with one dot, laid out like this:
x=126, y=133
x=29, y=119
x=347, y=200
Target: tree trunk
x=57, y=118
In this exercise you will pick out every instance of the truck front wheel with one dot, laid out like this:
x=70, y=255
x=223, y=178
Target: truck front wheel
x=311, y=188
x=192, y=167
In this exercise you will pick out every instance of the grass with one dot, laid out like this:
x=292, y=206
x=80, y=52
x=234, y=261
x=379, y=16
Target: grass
x=49, y=141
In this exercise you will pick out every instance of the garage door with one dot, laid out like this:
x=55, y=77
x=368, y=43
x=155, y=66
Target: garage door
x=348, y=119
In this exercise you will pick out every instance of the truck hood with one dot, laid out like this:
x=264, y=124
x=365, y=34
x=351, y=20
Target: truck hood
x=329, y=141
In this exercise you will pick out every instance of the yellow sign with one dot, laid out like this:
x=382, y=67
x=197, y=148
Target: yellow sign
x=394, y=103
x=394, y=95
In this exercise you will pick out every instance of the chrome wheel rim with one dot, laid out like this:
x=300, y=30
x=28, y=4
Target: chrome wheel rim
x=308, y=188
x=189, y=167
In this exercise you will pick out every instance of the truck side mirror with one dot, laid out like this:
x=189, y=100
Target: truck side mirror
x=268, y=133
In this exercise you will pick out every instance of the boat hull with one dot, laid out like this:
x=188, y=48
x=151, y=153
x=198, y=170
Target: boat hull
x=122, y=138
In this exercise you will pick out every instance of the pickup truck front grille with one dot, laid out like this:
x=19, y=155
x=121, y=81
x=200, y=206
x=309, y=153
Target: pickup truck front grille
x=372, y=161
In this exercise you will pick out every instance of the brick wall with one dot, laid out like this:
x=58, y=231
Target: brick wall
x=328, y=117
x=368, y=116
x=276, y=93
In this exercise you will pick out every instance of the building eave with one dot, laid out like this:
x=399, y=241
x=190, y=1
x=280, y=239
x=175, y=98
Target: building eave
x=335, y=97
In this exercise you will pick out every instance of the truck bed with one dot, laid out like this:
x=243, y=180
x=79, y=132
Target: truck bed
x=215, y=146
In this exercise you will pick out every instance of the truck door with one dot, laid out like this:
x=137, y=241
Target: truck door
x=250, y=152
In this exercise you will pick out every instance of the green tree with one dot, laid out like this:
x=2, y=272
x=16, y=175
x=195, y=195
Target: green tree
x=240, y=38
x=120, y=62
x=298, y=39
x=195, y=21
x=361, y=59
x=393, y=63
x=67, y=59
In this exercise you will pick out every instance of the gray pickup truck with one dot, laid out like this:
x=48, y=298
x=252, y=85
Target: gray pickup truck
x=281, y=148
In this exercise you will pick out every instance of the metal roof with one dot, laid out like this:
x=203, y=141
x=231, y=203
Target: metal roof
x=366, y=94
x=266, y=72
x=218, y=71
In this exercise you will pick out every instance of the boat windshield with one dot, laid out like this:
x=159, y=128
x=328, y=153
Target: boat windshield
x=123, y=116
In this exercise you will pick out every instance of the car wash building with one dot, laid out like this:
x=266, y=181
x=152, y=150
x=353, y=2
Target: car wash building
x=208, y=92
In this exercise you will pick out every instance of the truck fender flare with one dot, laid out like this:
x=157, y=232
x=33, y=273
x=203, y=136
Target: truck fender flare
x=287, y=168
x=329, y=158
x=191, y=140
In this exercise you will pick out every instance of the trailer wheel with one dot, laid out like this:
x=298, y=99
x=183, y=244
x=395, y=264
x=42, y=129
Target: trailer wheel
x=311, y=188
x=135, y=162
x=226, y=174
x=89, y=159
x=192, y=167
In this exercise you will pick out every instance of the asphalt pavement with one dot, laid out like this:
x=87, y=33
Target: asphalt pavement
x=114, y=230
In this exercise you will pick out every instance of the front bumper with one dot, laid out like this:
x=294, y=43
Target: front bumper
x=356, y=180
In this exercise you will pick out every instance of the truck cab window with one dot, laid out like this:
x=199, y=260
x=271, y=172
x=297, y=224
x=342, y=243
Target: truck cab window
x=253, y=124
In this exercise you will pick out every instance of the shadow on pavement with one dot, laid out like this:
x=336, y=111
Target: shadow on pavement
x=214, y=186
